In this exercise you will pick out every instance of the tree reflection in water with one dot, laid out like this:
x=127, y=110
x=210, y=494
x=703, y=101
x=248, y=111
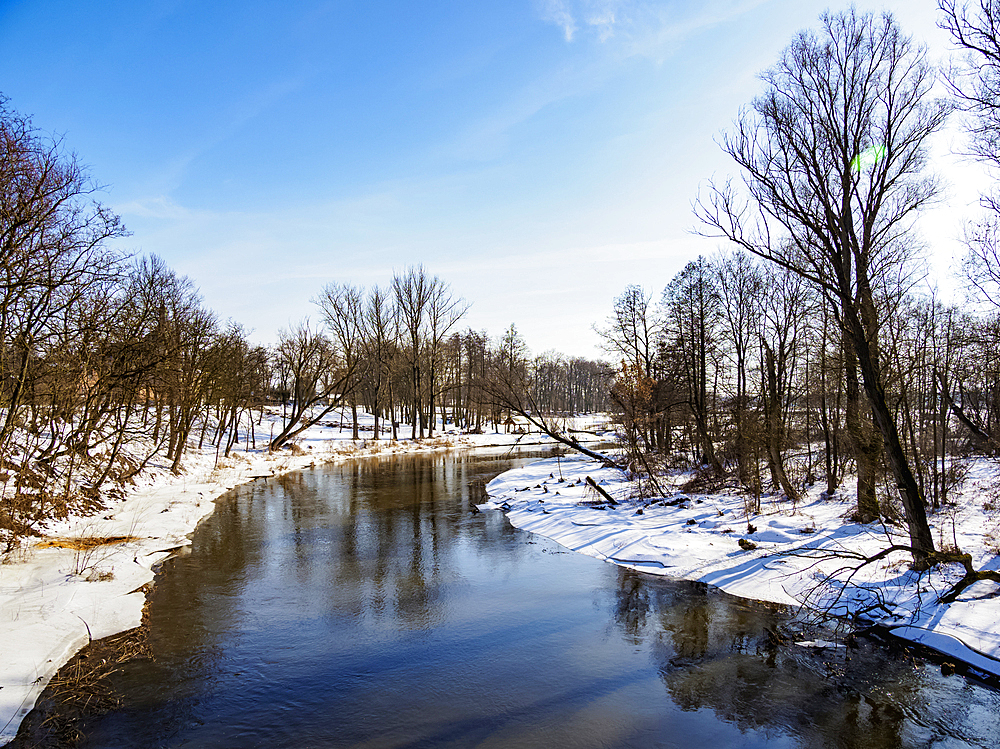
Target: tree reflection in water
x=722, y=653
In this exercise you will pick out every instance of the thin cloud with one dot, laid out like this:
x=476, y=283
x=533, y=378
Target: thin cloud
x=620, y=30
x=654, y=30
x=643, y=27
x=559, y=13
x=158, y=207
x=603, y=21
x=596, y=15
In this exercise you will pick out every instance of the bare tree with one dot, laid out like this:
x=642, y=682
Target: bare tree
x=379, y=344
x=508, y=381
x=832, y=156
x=632, y=330
x=413, y=291
x=343, y=312
x=316, y=378
x=631, y=335
x=741, y=286
x=829, y=387
x=981, y=264
x=691, y=318
x=975, y=81
x=444, y=311
x=785, y=312
x=53, y=249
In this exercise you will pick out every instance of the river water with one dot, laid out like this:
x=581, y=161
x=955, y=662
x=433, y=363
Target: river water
x=364, y=605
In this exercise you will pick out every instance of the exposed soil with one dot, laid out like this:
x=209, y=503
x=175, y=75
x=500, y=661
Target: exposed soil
x=81, y=688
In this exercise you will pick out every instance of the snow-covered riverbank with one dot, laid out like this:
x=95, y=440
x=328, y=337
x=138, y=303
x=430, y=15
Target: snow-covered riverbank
x=789, y=557
x=58, y=592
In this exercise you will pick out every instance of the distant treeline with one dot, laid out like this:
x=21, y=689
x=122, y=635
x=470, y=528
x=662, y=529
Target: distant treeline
x=107, y=360
x=396, y=353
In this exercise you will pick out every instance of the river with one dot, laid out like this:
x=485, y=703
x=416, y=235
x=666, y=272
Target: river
x=364, y=604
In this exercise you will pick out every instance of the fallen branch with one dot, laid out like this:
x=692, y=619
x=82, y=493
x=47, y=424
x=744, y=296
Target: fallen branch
x=972, y=575
x=515, y=395
x=600, y=490
x=931, y=560
x=821, y=555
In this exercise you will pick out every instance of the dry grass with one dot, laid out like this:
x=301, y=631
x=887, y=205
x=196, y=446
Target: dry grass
x=83, y=688
x=84, y=543
x=20, y=512
x=439, y=442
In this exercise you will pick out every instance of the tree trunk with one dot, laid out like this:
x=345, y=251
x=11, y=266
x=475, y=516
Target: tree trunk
x=863, y=439
x=921, y=540
x=772, y=402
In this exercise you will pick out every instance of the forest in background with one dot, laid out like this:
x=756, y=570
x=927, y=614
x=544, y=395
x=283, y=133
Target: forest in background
x=108, y=361
x=804, y=354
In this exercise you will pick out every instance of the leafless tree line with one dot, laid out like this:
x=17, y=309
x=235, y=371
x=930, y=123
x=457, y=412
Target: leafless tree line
x=806, y=351
x=739, y=367
x=103, y=359
x=108, y=361
x=402, y=359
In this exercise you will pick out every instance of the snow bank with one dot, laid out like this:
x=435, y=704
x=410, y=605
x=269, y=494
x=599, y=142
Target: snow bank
x=54, y=600
x=793, y=556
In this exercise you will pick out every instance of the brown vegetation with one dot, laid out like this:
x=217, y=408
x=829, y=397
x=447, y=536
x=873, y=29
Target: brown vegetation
x=84, y=543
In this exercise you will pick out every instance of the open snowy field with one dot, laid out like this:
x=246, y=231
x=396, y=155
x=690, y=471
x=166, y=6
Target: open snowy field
x=799, y=556
x=59, y=592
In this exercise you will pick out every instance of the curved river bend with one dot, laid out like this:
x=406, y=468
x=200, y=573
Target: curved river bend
x=364, y=605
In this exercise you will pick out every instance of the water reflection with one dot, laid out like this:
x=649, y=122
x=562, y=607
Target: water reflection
x=365, y=605
x=724, y=654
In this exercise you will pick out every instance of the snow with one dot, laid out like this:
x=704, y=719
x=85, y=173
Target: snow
x=802, y=554
x=54, y=600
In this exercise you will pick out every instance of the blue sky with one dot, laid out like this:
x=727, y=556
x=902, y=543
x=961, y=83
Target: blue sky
x=539, y=155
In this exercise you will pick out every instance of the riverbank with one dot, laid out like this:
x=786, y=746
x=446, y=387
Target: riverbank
x=86, y=578
x=802, y=556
